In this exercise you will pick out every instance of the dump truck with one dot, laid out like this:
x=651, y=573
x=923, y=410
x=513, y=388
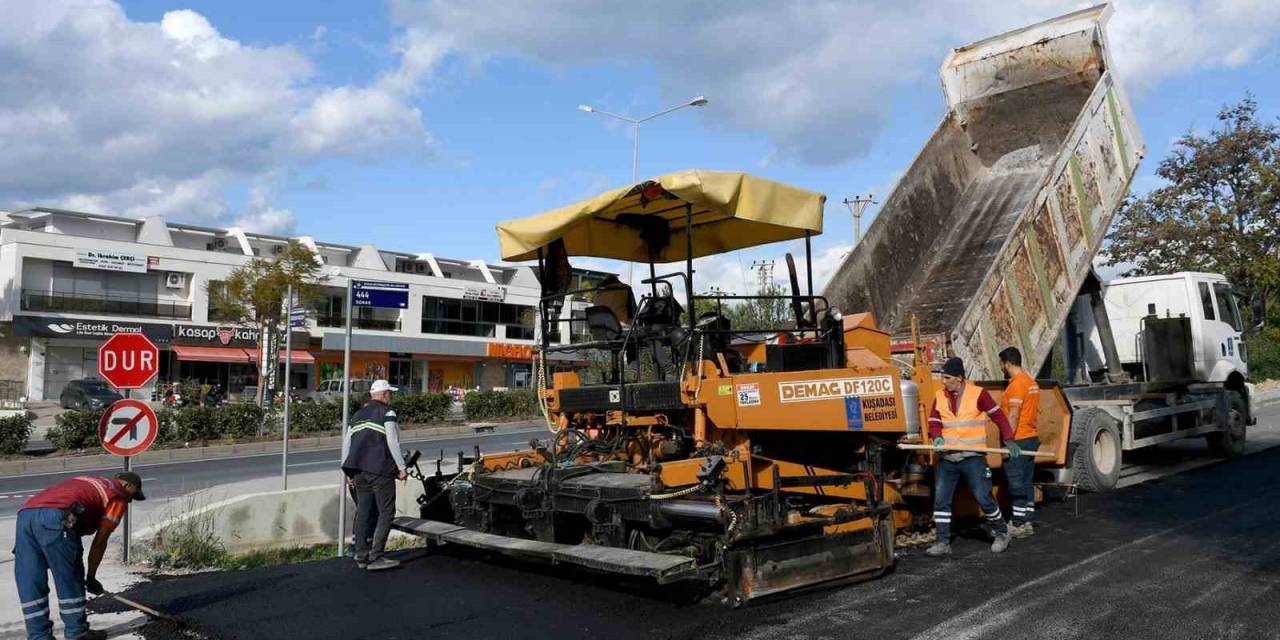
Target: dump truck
x=678, y=459
x=988, y=241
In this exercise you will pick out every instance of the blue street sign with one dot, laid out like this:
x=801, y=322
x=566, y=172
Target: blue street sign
x=388, y=295
x=298, y=318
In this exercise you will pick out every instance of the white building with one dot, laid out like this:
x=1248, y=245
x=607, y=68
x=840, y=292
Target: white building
x=70, y=279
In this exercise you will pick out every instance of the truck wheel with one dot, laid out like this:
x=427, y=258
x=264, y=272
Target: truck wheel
x=1230, y=443
x=1095, y=450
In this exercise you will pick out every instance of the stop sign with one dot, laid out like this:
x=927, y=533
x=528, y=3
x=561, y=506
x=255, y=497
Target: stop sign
x=128, y=360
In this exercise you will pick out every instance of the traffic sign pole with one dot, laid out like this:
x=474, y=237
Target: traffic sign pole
x=346, y=408
x=288, y=391
x=128, y=465
x=138, y=427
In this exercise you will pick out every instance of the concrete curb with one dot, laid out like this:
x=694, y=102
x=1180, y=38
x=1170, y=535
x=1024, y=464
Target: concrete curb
x=75, y=463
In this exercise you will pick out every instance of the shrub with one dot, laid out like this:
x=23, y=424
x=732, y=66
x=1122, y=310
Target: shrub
x=167, y=427
x=315, y=417
x=1264, y=354
x=14, y=431
x=239, y=419
x=197, y=423
x=421, y=408
x=75, y=430
x=488, y=405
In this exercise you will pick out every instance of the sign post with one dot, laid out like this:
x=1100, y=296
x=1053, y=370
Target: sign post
x=346, y=408
x=296, y=320
x=127, y=428
x=361, y=293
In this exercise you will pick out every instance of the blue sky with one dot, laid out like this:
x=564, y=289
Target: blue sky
x=487, y=128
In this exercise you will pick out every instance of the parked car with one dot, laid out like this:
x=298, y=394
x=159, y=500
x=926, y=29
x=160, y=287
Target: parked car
x=87, y=394
x=332, y=389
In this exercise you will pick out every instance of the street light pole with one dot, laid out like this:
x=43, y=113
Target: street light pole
x=700, y=101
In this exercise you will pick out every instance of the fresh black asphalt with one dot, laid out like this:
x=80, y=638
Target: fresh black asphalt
x=1195, y=555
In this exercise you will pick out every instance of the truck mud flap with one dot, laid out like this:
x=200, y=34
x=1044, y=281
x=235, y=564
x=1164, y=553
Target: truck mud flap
x=661, y=566
x=766, y=569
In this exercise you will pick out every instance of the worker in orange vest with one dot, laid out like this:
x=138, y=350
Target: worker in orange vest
x=959, y=419
x=1021, y=402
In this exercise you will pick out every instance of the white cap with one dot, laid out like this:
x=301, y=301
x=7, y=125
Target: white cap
x=380, y=386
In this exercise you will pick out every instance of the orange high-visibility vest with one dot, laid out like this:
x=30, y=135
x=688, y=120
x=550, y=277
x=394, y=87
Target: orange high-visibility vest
x=966, y=427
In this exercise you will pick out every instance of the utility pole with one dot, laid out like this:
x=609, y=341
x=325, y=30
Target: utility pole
x=764, y=274
x=857, y=205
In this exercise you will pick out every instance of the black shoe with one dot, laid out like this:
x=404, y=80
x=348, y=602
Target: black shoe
x=383, y=563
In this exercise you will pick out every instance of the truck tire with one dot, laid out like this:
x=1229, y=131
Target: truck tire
x=1230, y=443
x=1095, y=449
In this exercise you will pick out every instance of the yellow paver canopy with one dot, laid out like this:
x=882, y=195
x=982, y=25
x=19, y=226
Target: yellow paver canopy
x=729, y=211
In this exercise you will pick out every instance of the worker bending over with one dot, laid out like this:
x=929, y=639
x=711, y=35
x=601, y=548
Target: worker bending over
x=959, y=419
x=1022, y=404
x=49, y=529
x=372, y=462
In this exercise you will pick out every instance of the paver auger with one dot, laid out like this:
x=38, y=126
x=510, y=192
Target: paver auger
x=755, y=470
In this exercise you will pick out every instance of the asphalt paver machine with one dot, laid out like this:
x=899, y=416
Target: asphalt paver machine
x=690, y=458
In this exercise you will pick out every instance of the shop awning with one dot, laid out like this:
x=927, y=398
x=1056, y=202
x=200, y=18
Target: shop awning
x=211, y=354
x=300, y=356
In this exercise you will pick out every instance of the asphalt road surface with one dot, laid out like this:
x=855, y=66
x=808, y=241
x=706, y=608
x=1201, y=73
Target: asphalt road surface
x=173, y=479
x=1192, y=555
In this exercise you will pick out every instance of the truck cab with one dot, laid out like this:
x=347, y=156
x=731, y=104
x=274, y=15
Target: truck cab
x=1207, y=299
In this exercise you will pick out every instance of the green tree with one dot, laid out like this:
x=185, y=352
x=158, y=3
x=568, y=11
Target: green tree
x=1219, y=211
x=755, y=314
x=255, y=293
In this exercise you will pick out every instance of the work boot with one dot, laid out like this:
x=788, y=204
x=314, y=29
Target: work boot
x=383, y=563
x=93, y=634
x=939, y=549
x=1023, y=530
x=1001, y=543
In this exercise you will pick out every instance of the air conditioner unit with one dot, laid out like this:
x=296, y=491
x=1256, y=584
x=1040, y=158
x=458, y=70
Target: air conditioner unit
x=175, y=280
x=277, y=250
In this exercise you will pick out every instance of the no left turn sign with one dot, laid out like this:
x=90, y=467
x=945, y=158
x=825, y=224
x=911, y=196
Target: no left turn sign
x=128, y=427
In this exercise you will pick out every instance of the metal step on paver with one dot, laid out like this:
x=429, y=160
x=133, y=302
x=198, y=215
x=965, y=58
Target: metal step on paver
x=627, y=561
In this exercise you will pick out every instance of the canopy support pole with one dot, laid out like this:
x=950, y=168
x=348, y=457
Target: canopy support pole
x=542, y=313
x=808, y=270
x=688, y=264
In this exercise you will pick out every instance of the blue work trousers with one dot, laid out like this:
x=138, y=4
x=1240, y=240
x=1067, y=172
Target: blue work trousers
x=43, y=545
x=1020, y=472
x=977, y=476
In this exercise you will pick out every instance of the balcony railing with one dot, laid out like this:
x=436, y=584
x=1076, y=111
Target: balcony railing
x=376, y=324
x=105, y=304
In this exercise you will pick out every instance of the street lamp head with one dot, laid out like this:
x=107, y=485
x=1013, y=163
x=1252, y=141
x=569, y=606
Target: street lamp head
x=586, y=108
x=700, y=101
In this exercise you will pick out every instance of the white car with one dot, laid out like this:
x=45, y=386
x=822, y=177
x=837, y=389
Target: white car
x=332, y=389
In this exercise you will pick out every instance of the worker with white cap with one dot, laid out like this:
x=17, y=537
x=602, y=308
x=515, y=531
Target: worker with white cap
x=372, y=462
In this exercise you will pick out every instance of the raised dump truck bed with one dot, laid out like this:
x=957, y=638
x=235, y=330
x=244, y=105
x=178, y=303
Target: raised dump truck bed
x=988, y=236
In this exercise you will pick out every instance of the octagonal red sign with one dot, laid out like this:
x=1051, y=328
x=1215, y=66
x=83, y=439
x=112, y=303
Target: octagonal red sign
x=128, y=360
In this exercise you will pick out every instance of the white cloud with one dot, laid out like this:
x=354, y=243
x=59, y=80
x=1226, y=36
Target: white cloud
x=114, y=115
x=818, y=79
x=261, y=217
